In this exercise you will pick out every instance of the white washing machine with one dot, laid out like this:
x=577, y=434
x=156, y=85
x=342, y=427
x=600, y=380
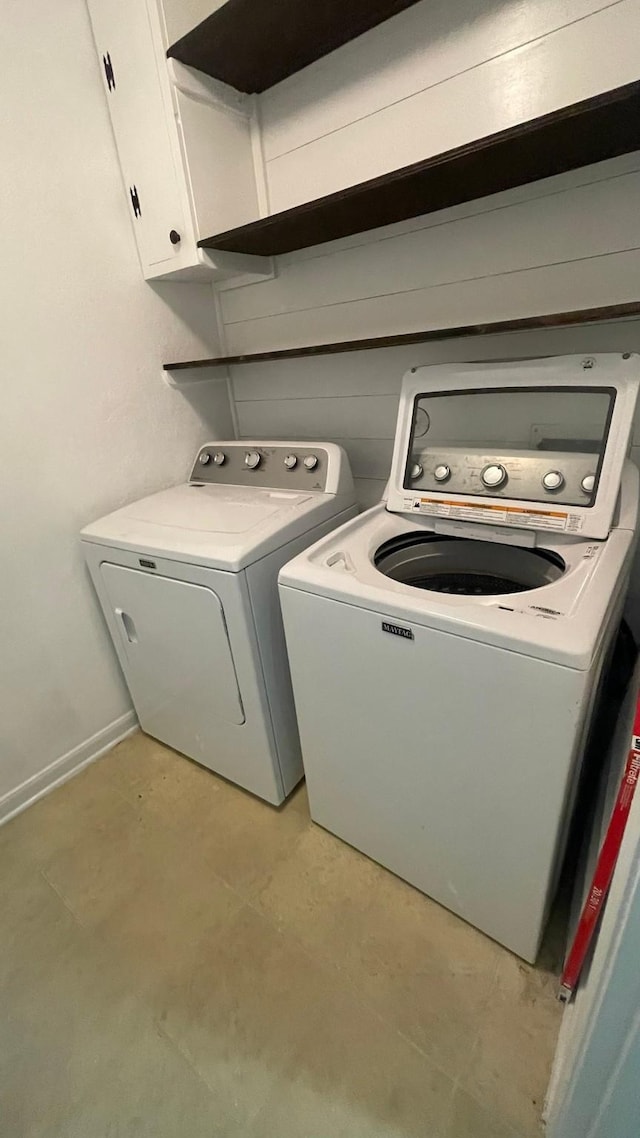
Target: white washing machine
x=446, y=647
x=187, y=580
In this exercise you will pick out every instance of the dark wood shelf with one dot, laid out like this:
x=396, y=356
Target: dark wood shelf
x=431, y=335
x=253, y=44
x=604, y=126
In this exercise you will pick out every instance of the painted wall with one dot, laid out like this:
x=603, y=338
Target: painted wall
x=352, y=399
x=434, y=77
x=562, y=243
x=183, y=15
x=419, y=84
x=87, y=420
x=566, y=242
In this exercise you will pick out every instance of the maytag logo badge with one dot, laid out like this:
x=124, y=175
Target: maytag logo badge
x=397, y=630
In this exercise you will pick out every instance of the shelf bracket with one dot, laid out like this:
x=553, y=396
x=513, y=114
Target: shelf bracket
x=232, y=270
x=189, y=377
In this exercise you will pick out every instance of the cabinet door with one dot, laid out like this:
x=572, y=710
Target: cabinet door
x=176, y=656
x=141, y=117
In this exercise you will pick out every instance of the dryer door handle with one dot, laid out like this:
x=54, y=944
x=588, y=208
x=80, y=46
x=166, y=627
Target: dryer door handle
x=128, y=626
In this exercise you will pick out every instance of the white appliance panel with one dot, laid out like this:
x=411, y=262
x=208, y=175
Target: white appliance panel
x=228, y=525
x=243, y=752
x=178, y=660
x=560, y=622
x=460, y=780
x=262, y=582
x=187, y=582
x=444, y=676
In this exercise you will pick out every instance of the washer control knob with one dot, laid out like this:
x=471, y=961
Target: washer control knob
x=553, y=480
x=416, y=471
x=494, y=475
x=219, y=458
x=588, y=483
x=291, y=461
x=252, y=459
x=442, y=472
x=205, y=457
x=311, y=461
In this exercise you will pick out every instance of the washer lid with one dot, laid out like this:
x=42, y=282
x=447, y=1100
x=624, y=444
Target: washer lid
x=536, y=444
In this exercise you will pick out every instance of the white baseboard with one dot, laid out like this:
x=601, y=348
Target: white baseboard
x=66, y=766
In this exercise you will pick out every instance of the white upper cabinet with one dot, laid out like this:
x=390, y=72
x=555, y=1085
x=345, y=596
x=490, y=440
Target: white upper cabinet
x=184, y=142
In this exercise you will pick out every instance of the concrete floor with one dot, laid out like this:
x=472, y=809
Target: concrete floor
x=179, y=960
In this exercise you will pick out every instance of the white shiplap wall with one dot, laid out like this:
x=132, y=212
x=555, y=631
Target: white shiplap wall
x=352, y=399
x=571, y=241
x=567, y=242
x=183, y=15
x=435, y=77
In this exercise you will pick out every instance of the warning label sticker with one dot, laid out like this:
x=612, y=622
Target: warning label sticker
x=499, y=515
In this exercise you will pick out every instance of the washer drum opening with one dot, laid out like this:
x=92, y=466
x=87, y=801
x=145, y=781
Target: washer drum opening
x=465, y=567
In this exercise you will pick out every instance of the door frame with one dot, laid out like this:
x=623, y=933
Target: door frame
x=600, y=1031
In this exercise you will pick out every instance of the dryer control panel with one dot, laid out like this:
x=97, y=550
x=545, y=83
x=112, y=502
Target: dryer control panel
x=287, y=466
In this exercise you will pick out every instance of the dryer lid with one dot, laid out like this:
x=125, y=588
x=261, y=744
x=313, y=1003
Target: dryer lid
x=216, y=509
x=536, y=444
x=223, y=527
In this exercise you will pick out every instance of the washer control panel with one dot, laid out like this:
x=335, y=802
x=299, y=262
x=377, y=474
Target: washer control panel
x=287, y=466
x=534, y=476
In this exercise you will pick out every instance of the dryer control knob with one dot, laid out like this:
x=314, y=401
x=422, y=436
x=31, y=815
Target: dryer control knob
x=588, y=483
x=553, y=480
x=494, y=475
x=416, y=471
x=291, y=461
x=219, y=458
x=205, y=457
x=442, y=472
x=311, y=461
x=252, y=459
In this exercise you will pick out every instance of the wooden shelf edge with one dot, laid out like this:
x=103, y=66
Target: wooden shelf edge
x=592, y=130
x=254, y=46
x=431, y=335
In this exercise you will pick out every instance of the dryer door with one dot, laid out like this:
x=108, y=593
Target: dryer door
x=176, y=656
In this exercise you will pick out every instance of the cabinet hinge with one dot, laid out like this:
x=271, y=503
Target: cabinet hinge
x=108, y=71
x=135, y=201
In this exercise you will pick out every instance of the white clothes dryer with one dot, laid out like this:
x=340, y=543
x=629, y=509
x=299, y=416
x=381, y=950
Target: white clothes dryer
x=446, y=647
x=187, y=581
